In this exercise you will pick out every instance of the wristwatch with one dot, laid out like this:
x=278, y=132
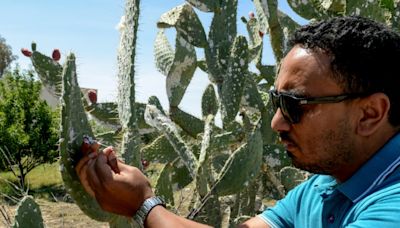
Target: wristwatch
x=146, y=207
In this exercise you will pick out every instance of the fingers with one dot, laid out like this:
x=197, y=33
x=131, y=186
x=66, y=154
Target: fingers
x=98, y=168
x=85, y=147
x=84, y=180
x=94, y=146
x=112, y=159
x=92, y=170
x=92, y=178
x=89, y=146
x=83, y=162
x=101, y=178
x=103, y=170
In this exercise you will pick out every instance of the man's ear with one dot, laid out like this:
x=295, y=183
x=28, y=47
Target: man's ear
x=374, y=111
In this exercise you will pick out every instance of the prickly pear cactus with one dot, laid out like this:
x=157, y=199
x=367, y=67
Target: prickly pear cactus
x=221, y=161
x=211, y=154
x=47, y=68
x=232, y=167
x=383, y=11
x=226, y=160
x=130, y=146
x=105, y=114
x=74, y=125
x=28, y=214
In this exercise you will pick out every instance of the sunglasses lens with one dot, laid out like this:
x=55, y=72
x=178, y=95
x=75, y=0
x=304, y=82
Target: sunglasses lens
x=291, y=109
x=289, y=106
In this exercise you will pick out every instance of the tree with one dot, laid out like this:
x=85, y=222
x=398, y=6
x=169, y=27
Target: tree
x=28, y=132
x=6, y=56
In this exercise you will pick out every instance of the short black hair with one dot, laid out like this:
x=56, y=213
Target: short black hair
x=365, y=55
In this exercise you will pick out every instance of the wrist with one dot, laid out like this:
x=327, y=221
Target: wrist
x=158, y=217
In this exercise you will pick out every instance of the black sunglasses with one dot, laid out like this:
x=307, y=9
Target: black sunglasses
x=290, y=105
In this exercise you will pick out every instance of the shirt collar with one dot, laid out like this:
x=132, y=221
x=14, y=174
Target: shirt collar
x=373, y=172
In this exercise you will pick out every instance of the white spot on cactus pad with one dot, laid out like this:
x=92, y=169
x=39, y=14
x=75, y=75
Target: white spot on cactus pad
x=185, y=44
x=272, y=162
x=264, y=5
x=357, y=11
x=174, y=79
x=73, y=79
x=121, y=24
x=286, y=35
x=211, y=43
x=71, y=136
x=242, y=62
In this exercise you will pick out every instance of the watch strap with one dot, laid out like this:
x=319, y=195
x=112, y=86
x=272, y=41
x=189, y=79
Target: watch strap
x=146, y=207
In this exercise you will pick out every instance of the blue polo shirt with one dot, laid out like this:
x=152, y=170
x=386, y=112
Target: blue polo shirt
x=370, y=198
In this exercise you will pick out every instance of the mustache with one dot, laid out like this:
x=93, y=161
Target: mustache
x=284, y=136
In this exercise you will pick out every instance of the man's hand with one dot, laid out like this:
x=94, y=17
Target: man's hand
x=118, y=188
x=121, y=189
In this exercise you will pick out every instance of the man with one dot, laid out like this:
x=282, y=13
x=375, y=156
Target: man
x=338, y=115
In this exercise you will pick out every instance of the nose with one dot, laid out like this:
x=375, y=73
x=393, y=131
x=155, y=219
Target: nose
x=279, y=123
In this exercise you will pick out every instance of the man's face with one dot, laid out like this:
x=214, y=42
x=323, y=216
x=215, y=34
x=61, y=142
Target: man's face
x=322, y=141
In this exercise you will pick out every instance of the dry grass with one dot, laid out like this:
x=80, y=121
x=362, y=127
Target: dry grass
x=45, y=184
x=42, y=180
x=60, y=214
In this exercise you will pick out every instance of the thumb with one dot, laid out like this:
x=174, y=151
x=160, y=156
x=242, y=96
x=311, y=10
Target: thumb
x=112, y=159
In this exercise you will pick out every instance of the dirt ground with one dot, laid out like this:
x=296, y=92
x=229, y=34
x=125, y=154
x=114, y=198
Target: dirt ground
x=59, y=214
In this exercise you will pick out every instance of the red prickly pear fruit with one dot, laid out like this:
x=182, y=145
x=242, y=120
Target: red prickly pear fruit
x=92, y=96
x=251, y=15
x=26, y=52
x=261, y=34
x=56, y=55
x=145, y=163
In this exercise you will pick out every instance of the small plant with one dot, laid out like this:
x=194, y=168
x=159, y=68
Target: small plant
x=28, y=214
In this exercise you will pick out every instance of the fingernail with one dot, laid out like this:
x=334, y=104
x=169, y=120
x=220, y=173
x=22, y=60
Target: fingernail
x=92, y=155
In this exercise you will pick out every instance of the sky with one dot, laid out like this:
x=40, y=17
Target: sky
x=88, y=28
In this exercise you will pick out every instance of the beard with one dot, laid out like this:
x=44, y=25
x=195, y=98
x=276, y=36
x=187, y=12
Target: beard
x=333, y=150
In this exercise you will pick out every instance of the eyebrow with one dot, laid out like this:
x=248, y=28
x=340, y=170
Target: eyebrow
x=294, y=92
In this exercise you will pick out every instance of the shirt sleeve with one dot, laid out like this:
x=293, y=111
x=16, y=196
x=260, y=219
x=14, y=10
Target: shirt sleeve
x=281, y=215
x=285, y=211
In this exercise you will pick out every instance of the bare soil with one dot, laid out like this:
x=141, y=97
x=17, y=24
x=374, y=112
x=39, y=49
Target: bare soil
x=58, y=214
